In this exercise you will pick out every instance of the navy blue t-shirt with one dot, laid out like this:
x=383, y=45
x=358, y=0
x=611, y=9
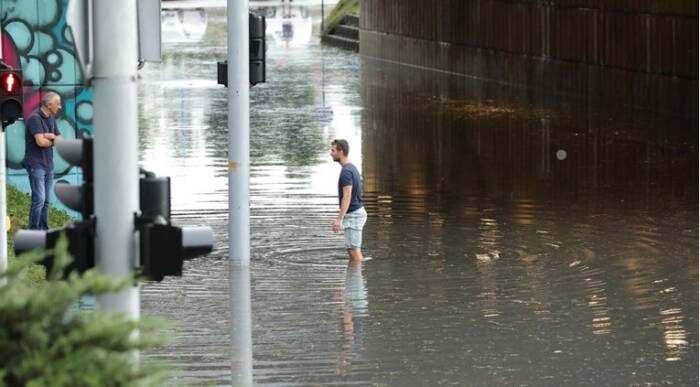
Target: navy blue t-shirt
x=34, y=155
x=349, y=175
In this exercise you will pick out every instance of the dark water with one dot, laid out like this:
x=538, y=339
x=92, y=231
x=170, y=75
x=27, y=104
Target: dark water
x=517, y=239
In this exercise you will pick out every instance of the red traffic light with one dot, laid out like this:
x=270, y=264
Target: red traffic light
x=10, y=82
x=11, y=97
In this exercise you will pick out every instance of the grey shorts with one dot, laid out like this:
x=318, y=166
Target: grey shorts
x=352, y=228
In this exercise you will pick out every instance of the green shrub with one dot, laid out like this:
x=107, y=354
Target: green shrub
x=18, y=204
x=46, y=341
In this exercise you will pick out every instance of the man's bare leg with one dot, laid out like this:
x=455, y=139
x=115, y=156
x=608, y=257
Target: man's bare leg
x=355, y=255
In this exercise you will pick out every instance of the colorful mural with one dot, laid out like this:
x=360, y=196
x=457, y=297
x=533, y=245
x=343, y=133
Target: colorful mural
x=35, y=39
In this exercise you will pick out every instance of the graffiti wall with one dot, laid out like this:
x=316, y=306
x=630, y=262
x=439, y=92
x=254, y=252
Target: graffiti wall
x=35, y=39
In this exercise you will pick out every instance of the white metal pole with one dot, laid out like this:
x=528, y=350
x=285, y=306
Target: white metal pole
x=242, y=343
x=116, y=146
x=238, y=181
x=3, y=207
x=238, y=132
x=3, y=199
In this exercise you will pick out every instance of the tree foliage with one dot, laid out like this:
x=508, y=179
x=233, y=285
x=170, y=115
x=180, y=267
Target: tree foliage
x=45, y=340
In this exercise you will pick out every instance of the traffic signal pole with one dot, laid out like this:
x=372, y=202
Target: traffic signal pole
x=11, y=100
x=116, y=147
x=238, y=188
x=3, y=206
x=3, y=199
x=238, y=132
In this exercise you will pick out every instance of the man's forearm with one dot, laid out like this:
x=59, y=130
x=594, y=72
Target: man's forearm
x=344, y=206
x=44, y=142
x=49, y=141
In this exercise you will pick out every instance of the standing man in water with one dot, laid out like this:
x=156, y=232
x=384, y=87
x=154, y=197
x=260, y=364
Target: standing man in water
x=352, y=215
x=41, y=130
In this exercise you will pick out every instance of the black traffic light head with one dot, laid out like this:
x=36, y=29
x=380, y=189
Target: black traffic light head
x=11, y=94
x=77, y=197
x=154, y=196
x=81, y=245
x=222, y=73
x=256, y=36
x=164, y=247
x=160, y=251
x=256, y=59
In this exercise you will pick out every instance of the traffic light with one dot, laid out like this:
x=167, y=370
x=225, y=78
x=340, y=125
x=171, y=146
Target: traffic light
x=80, y=154
x=256, y=36
x=80, y=234
x=80, y=237
x=222, y=73
x=11, y=94
x=164, y=247
x=257, y=47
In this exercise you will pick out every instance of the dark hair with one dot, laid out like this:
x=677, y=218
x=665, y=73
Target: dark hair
x=342, y=145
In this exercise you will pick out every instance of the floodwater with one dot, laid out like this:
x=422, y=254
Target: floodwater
x=517, y=239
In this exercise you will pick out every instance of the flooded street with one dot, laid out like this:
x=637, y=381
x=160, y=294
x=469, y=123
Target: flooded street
x=517, y=238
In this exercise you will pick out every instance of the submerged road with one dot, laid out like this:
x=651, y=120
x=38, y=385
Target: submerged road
x=516, y=239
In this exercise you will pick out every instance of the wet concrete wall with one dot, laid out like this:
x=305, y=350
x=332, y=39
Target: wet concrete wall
x=642, y=53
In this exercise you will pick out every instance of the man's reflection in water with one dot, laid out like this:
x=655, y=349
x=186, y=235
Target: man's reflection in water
x=353, y=309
